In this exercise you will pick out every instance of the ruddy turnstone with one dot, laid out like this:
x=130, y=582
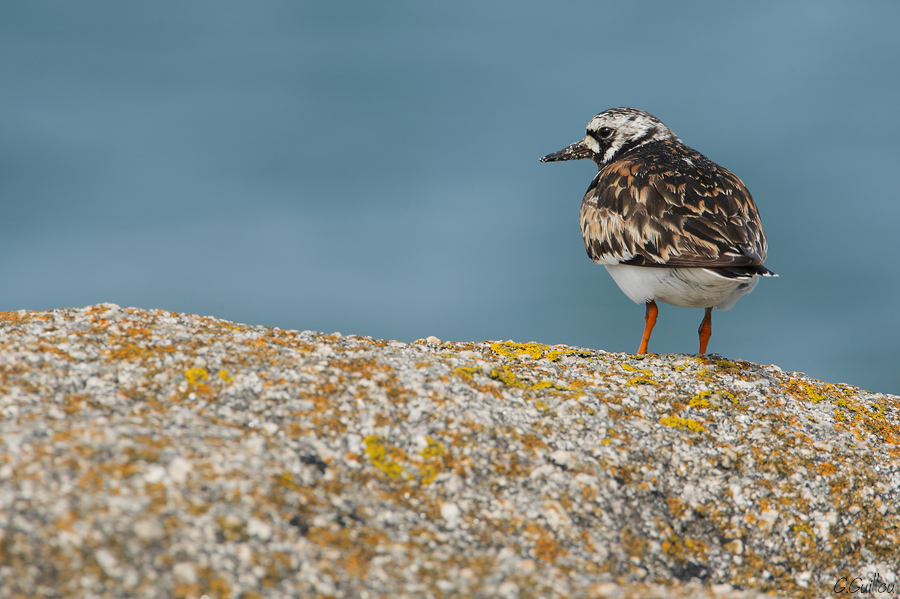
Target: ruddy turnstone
x=668, y=223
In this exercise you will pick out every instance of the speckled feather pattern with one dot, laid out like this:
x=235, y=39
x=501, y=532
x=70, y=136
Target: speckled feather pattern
x=665, y=204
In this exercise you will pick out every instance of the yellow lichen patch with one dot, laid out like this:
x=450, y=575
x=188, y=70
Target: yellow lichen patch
x=196, y=376
x=700, y=400
x=871, y=417
x=378, y=454
x=629, y=368
x=286, y=480
x=427, y=473
x=711, y=399
x=806, y=391
x=726, y=366
x=466, y=372
x=542, y=385
x=556, y=354
x=513, y=350
x=434, y=449
x=803, y=528
x=641, y=380
x=225, y=377
x=687, y=424
x=433, y=453
x=509, y=378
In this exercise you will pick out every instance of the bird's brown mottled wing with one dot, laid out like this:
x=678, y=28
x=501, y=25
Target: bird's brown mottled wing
x=655, y=210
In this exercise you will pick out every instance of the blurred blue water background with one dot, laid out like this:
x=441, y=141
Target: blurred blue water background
x=372, y=168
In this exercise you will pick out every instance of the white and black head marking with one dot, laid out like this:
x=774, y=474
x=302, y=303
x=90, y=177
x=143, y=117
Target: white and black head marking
x=619, y=130
x=612, y=133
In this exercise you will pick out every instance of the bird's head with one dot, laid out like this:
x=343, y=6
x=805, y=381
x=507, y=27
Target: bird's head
x=612, y=133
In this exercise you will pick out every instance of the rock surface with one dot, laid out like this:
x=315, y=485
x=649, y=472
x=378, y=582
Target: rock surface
x=152, y=454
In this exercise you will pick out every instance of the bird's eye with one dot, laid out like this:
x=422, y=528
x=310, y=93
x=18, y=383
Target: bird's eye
x=604, y=132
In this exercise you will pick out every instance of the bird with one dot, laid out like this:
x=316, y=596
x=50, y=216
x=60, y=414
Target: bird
x=669, y=224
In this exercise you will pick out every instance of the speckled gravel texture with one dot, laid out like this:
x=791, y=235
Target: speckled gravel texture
x=145, y=453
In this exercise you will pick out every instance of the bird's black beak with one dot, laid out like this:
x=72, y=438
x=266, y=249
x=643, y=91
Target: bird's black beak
x=576, y=151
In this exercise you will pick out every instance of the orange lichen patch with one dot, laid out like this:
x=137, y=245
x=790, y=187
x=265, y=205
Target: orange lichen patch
x=889, y=433
x=289, y=340
x=274, y=343
x=826, y=469
x=146, y=450
x=546, y=548
x=683, y=550
x=509, y=465
x=532, y=442
x=633, y=543
x=356, y=547
x=75, y=403
x=677, y=507
x=129, y=350
x=578, y=385
x=365, y=367
x=14, y=317
x=52, y=349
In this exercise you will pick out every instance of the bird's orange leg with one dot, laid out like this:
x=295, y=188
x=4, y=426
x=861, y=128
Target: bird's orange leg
x=649, y=321
x=705, y=330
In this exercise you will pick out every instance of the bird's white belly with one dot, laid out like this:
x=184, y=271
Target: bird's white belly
x=686, y=287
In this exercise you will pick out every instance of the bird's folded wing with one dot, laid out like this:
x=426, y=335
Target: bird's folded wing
x=654, y=215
